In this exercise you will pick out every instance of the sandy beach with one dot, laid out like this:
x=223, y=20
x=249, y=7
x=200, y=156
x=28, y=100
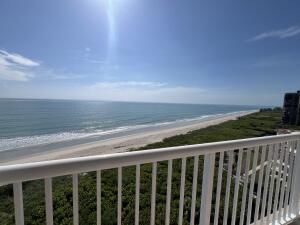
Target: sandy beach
x=123, y=143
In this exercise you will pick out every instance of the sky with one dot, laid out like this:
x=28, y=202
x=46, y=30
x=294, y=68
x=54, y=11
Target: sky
x=196, y=51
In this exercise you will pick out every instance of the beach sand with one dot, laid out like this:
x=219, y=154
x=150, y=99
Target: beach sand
x=123, y=143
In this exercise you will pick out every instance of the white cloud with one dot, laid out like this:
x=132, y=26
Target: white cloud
x=18, y=59
x=280, y=34
x=126, y=84
x=141, y=91
x=15, y=67
x=66, y=77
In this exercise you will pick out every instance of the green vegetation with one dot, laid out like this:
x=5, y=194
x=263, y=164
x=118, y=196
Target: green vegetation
x=255, y=125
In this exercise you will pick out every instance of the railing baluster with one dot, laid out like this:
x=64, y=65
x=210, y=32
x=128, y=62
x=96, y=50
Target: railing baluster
x=236, y=186
x=75, y=200
x=283, y=182
x=137, y=194
x=207, y=185
x=194, y=190
x=169, y=185
x=182, y=186
x=119, y=195
x=295, y=193
x=246, y=177
x=279, y=166
x=250, y=197
x=290, y=174
x=18, y=203
x=153, y=194
x=266, y=183
x=98, y=186
x=270, y=196
x=48, y=200
x=260, y=178
x=228, y=184
x=219, y=185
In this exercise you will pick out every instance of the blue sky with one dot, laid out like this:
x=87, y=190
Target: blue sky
x=223, y=52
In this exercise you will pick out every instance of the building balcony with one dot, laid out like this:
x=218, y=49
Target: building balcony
x=249, y=181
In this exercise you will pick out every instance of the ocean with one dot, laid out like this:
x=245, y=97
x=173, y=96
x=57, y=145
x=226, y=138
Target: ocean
x=28, y=123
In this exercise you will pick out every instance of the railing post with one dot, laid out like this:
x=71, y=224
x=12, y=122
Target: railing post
x=182, y=187
x=169, y=186
x=153, y=193
x=137, y=194
x=295, y=197
x=119, y=221
x=18, y=203
x=98, y=198
x=75, y=199
x=49, y=201
x=207, y=185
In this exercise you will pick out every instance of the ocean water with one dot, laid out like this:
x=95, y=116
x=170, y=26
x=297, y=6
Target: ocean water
x=26, y=123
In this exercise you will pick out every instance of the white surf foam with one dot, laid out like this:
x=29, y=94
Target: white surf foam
x=27, y=141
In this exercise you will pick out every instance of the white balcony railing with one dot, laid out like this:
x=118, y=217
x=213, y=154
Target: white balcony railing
x=265, y=170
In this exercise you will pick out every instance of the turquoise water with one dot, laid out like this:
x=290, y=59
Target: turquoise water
x=24, y=123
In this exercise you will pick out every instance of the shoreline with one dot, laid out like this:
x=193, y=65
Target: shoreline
x=123, y=143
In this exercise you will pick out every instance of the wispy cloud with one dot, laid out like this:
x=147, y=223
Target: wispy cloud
x=141, y=91
x=15, y=66
x=18, y=59
x=69, y=76
x=280, y=34
x=127, y=84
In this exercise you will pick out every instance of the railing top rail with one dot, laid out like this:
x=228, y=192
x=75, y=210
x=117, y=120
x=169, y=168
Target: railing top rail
x=38, y=170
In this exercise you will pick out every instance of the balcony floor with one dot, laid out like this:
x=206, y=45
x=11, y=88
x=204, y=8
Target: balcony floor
x=296, y=222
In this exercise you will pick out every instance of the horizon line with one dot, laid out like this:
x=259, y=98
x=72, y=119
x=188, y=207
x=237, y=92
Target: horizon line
x=119, y=101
